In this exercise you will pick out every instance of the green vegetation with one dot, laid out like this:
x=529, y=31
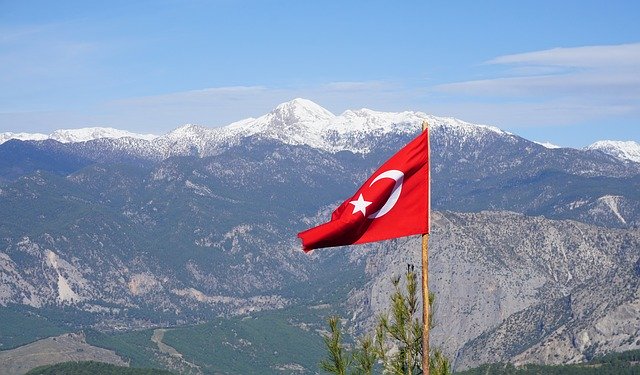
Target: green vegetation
x=275, y=342
x=626, y=363
x=23, y=325
x=270, y=342
x=337, y=361
x=631, y=356
x=136, y=346
x=396, y=343
x=93, y=368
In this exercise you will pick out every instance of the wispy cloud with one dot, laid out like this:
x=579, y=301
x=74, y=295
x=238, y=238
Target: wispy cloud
x=572, y=84
x=215, y=106
x=18, y=34
x=597, y=70
x=206, y=96
x=579, y=57
x=218, y=106
x=556, y=87
x=358, y=86
x=598, y=83
x=44, y=65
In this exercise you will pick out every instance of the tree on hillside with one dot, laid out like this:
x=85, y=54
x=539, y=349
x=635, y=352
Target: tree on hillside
x=396, y=343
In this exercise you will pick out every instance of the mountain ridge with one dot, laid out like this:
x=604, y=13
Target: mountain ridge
x=626, y=150
x=300, y=122
x=76, y=135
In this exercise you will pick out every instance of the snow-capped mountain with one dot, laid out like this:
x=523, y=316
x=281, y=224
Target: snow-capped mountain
x=626, y=150
x=76, y=135
x=548, y=145
x=303, y=122
x=22, y=136
x=87, y=134
x=482, y=163
x=299, y=122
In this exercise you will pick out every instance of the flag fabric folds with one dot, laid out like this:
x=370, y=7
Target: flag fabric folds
x=393, y=202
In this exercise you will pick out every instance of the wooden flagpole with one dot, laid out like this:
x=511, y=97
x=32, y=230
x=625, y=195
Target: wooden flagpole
x=425, y=275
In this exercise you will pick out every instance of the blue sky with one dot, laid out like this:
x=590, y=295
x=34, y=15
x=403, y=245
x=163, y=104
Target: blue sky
x=560, y=71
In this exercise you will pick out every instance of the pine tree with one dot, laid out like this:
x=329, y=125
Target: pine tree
x=338, y=359
x=396, y=343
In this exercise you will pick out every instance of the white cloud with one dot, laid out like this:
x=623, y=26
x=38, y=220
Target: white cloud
x=586, y=57
x=219, y=106
x=610, y=83
x=556, y=86
x=589, y=71
x=514, y=115
x=206, y=96
x=357, y=86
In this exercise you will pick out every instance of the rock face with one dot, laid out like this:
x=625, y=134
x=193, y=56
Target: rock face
x=515, y=288
x=134, y=232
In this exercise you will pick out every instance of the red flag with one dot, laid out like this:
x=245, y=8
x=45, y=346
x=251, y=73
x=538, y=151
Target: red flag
x=393, y=202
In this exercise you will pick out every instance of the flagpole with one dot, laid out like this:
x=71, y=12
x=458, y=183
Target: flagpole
x=425, y=274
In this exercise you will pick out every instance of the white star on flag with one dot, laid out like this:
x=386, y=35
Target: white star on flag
x=360, y=205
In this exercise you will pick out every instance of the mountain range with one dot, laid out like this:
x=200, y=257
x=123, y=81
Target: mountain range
x=298, y=122
x=534, y=249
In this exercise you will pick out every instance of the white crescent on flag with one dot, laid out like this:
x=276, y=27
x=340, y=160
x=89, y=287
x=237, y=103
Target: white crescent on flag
x=398, y=177
x=389, y=210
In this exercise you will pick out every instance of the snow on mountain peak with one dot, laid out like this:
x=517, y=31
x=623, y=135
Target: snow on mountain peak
x=301, y=110
x=186, y=139
x=297, y=122
x=369, y=121
x=22, y=136
x=461, y=128
x=186, y=131
x=88, y=134
x=76, y=135
x=548, y=145
x=627, y=150
x=303, y=122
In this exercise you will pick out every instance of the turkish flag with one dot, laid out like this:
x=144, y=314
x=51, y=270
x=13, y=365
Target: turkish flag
x=393, y=202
